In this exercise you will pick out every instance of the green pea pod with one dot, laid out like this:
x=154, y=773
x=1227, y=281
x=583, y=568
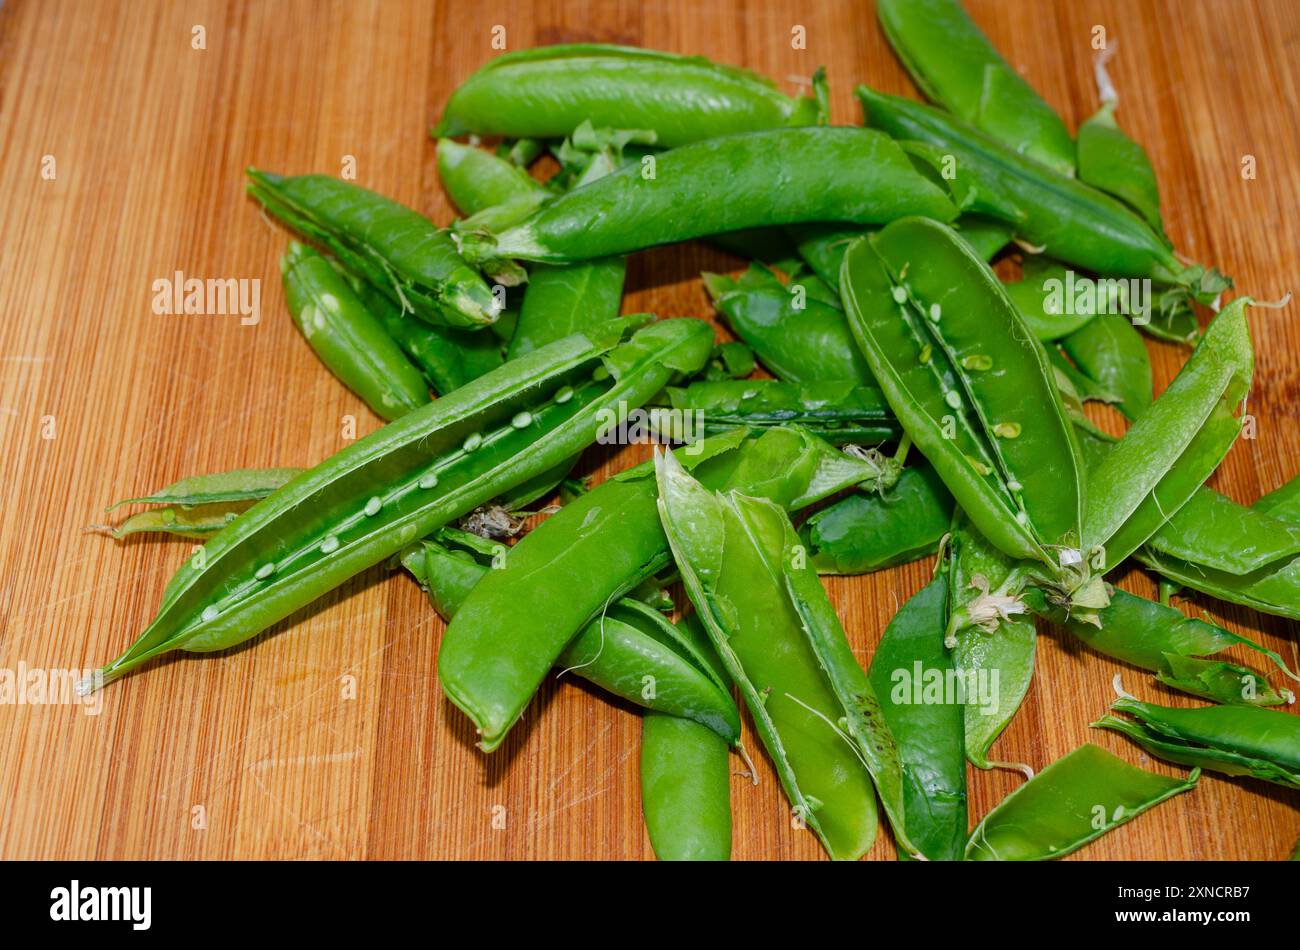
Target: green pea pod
x=827, y=174
x=476, y=180
x=383, y=492
x=1073, y=801
x=685, y=789
x=770, y=245
x=987, y=235
x=352, y=344
x=1110, y=351
x=1065, y=218
x=1113, y=162
x=799, y=345
x=909, y=673
x=993, y=647
x=549, y=91
x=1213, y=531
x=448, y=357
x=1174, y=445
x=1235, y=740
x=865, y=532
x=760, y=626
x=565, y=571
x=959, y=367
x=1076, y=388
x=732, y=360
x=1282, y=502
x=199, y=506
x=956, y=66
x=1042, y=297
x=563, y=300
x=394, y=248
x=1156, y=637
x=630, y=650
x=1271, y=590
x=838, y=412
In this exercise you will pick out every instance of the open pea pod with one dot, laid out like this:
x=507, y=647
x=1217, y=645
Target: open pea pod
x=1213, y=531
x=867, y=531
x=548, y=92
x=780, y=641
x=1234, y=740
x=910, y=673
x=1109, y=352
x=956, y=66
x=1173, y=446
x=968, y=383
x=1073, y=801
x=837, y=411
x=398, y=484
x=199, y=506
x=395, y=249
x=1181, y=651
x=629, y=650
x=601, y=545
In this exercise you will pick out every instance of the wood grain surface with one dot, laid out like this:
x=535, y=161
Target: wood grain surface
x=328, y=737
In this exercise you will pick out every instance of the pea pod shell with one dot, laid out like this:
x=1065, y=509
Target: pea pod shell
x=1264, y=734
x=838, y=411
x=827, y=174
x=563, y=300
x=758, y=633
x=1073, y=801
x=1213, y=531
x=685, y=789
x=476, y=180
x=956, y=66
x=549, y=91
x=383, y=492
x=1041, y=297
x=1113, y=162
x=235, y=485
x=1108, y=350
x=396, y=249
x=1215, y=758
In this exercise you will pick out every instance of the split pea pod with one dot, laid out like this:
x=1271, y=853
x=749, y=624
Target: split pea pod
x=968, y=383
x=1174, y=445
x=349, y=340
x=200, y=505
x=564, y=572
x=1181, y=651
x=1211, y=530
x=837, y=411
x=911, y=672
x=1234, y=740
x=1073, y=801
x=549, y=91
x=723, y=184
x=957, y=67
x=865, y=532
x=396, y=249
x=630, y=650
x=1066, y=218
x=777, y=634
x=398, y=484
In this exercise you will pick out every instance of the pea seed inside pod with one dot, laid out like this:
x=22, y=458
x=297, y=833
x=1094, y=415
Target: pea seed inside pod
x=564, y=395
x=1007, y=430
x=900, y=295
x=927, y=353
x=935, y=312
x=952, y=398
x=473, y=442
x=428, y=480
x=977, y=361
x=265, y=571
x=373, y=504
x=329, y=545
x=522, y=420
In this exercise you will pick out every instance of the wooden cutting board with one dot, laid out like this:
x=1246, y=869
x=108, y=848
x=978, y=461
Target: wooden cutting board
x=121, y=151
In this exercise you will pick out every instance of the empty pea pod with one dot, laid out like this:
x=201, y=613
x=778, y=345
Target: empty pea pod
x=567, y=299
x=199, y=506
x=1042, y=297
x=549, y=91
x=565, y=571
x=956, y=66
x=837, y=411
x=719, y=185
x=957, y=365
x=1073, y=801
x=1113, y=162
x=1212, y=530
x=1109, y=351
x=395, y=249
x=867, y=531
x=912, y=673
x=396, y=485
x=1234, y=740
x=349, y=340
x=685, y=789
x=777, y=635
x=1065, y=218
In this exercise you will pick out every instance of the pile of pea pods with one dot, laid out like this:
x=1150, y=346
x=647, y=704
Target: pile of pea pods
x=886, y=397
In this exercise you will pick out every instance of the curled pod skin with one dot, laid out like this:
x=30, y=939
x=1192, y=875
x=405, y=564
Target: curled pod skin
x=380, y=494
x=199, y=506
x=827, y=174
x=1073, y=801
x=395, y=249
x=563, y=573
x=1065, y=218
x=349, y=340
x=968, y=382
x=550, y=91
x=957, y=67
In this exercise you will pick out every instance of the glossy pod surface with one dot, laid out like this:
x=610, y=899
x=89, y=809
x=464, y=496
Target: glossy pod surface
x=396, y=249
x=548, y=92
x=385, y=491
x=724, y=184
x=685, y=789
x=838, y=411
